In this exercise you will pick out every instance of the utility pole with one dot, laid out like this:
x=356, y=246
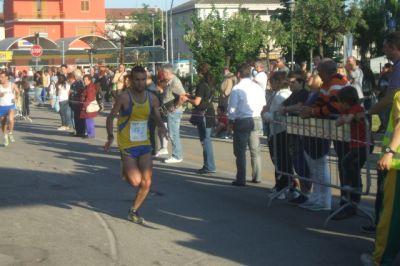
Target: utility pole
x=172, y=37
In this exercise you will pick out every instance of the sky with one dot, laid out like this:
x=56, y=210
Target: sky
x=163, y=4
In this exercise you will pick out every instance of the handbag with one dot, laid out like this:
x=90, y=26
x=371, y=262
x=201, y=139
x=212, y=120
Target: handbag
x=92, y=107
x=197, y=117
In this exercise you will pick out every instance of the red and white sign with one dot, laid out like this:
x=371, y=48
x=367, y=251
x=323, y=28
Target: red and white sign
x=36, y=50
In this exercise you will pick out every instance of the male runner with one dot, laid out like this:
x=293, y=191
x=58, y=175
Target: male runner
x=8, y=93
x=133, y=108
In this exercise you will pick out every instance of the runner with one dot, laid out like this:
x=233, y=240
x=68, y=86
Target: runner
x=133, y=108
x=8, y=93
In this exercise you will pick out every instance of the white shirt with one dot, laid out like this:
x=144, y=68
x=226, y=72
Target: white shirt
x=261, y=79
x=272, y=116
x=247, y=99
x=356, y=79
x=8, y=96
x=63, y=92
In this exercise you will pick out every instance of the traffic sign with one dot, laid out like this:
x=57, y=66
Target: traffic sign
x=36, y=50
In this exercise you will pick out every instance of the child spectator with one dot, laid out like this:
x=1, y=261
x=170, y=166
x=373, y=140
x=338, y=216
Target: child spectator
x=354, y=114
x=221, y=128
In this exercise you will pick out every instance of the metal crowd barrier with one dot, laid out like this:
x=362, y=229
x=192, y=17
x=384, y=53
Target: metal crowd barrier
x=323, y=129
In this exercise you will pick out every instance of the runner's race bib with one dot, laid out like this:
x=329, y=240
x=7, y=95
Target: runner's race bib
x=138, y=131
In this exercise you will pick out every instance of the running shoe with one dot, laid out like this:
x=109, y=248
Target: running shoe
x=11, y=138
x=173, y=160
x=161, y=152
x=6, y=141
x=134, y=217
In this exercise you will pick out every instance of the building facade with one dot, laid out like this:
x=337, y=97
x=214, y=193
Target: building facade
x=55, y=18
x=181, y=16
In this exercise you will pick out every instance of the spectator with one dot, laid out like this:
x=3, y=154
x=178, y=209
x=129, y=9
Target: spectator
x=118, y=80
x=221, y=128
x=353, y=114
x=174, y=96
x=296, y=146
x=383, y=84
x=281, y=65
x=202, y=103
x=87, y=97
x=277, y=140
x=63, y=88
x=261, y=77
x=226, y=87
x=37, y=78
x=355, y=76
x=245, y=104
x=76, y=89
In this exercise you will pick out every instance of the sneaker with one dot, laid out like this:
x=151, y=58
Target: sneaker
x=238, y=184
x=11, y=137
x=204, y=171
x=173, y=160
x=62, y=128
x=318, y=207
x=299, y=200
x=161, y=152
x=366, y=260
x=6, y=141
x=370, y=229
x=281, y=196
x=307, y=204
x=134, y=217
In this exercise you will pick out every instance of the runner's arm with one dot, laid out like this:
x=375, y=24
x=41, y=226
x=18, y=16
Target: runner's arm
x=110, y=121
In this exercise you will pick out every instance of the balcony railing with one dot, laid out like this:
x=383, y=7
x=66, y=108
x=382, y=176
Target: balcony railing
x=39, y=15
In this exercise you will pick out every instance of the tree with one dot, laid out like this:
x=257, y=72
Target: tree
x=220, y=40
x=318, y=24
x=141, y=34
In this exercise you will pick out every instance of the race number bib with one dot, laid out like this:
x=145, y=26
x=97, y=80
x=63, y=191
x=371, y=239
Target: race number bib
x=138, y=131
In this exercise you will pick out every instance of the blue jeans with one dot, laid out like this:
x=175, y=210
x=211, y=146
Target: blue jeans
x=65, y=113
x=208, y=152
x=174, y=124
x=242, y=129
x=38, y=95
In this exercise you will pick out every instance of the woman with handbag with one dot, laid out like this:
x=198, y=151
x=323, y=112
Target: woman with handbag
x=203, y=116
x=90, y=107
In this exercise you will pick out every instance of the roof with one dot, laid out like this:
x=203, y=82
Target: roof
x=98, y=42
x=46, y=44
x=191, y=4
x=122, y=13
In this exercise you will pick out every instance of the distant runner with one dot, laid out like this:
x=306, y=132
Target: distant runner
x=8, y=93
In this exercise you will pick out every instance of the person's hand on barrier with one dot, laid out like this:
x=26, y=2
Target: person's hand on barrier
x=340, y=121
x=305, y=111
x=385, y=162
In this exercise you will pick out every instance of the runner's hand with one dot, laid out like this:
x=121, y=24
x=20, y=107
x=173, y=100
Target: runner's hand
x=107, y=146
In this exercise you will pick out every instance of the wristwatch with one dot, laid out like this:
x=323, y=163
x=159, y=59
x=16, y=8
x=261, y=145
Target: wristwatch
x=389, y=150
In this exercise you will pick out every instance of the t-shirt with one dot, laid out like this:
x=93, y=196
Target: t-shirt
x=173, y=90
x=394, y=81
x=356, y=78
x=204, y=91
x=357, y=127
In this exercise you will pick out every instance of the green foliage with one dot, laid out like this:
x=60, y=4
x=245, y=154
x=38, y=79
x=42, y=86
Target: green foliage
x=142, y=32
x=317, y=25
x=221, y=40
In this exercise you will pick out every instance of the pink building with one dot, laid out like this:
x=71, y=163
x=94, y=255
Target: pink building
x=56, y=18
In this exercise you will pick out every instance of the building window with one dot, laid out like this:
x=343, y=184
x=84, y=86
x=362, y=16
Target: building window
x=85, y=5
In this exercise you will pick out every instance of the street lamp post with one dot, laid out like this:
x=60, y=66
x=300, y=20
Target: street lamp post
x=171, y=38
x=291, y=5
x=152, y=19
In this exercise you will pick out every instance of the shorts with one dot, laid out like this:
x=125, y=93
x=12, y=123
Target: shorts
x=4, y=110
x=136, y=152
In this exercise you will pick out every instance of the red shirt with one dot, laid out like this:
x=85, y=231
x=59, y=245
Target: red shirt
x=223, y=118
x=357, y=127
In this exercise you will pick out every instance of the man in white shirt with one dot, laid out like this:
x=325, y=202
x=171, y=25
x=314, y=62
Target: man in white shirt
x=355, y=76
x=261, y=77
x=244, y=111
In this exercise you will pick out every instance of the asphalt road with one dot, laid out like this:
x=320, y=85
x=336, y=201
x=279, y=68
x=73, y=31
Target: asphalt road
x=62, y=203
